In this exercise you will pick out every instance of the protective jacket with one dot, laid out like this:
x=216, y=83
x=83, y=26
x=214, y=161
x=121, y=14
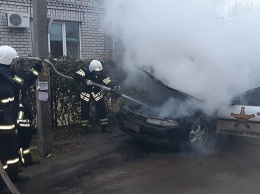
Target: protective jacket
x=92, y=91
x=21, y=108
x=6, y=98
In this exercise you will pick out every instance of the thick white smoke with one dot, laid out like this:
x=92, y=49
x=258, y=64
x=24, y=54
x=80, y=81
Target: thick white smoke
x=206, y=48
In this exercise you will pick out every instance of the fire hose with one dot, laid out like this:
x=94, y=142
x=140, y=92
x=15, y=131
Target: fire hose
x=3, y=173
x=88, y=82
x=7, y=180
x=50, y=65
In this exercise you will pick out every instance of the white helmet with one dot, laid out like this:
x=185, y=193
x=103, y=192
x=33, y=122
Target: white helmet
x=95, y=65
x=7, y=54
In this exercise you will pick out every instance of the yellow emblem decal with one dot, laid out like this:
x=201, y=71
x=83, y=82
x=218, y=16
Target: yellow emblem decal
x=242, y=118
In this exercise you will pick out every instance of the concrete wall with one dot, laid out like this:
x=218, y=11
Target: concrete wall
x=89, y=13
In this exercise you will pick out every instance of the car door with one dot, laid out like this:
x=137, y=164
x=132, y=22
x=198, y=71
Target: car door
x=242, y=118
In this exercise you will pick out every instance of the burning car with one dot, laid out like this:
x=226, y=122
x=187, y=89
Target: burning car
x=195, y=129
x=147, y=123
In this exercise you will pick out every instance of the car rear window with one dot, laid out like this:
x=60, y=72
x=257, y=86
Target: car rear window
x=251, y=97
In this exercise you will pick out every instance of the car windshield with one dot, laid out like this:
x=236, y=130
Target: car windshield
x=177, y=93
x=250, y=97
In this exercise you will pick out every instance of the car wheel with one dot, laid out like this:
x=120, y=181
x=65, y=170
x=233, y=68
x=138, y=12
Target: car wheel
x=201, y=134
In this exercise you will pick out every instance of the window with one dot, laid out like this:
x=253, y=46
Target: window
x=249, y=98
x=65, y=39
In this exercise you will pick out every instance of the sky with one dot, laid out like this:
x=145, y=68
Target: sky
x=206, y=48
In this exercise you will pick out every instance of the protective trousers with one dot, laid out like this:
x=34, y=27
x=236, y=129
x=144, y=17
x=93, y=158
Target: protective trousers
x=8, y=146
x=9, y=154
x=25, y=132
x=24, y=142
x=101, y=110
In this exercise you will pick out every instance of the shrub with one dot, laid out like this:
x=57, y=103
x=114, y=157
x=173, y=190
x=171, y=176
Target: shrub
x=65, y=93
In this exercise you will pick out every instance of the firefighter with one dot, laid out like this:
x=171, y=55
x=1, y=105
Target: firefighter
x=8, y=145
x=93, y=72
x=21, y=108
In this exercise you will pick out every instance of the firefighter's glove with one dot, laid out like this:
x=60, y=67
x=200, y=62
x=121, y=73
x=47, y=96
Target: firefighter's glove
x=117, y=89
x=38, y=66
x=21, y=59
x=116, y=92
x=88, y=82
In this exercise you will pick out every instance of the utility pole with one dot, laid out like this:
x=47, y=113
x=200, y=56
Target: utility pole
x=43, y=97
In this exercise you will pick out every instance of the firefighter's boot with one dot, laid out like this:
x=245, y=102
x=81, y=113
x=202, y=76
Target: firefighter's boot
x=33, y=162
x=21, y=178
x=84, y=130
x=105, y=130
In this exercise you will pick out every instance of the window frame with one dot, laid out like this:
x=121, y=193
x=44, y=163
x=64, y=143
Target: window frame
x=64, y=40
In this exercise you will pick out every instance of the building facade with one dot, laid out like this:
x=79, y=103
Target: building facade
x=74, y=28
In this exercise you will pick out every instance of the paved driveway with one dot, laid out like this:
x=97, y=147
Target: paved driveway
x=116, y=165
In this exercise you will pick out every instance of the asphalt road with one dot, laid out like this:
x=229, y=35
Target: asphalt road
x=117, y=165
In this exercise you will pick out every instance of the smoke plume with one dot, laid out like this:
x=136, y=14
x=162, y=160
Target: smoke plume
x=206, y=48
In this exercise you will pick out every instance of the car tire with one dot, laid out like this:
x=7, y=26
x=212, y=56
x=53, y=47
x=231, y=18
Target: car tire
x=202, y=135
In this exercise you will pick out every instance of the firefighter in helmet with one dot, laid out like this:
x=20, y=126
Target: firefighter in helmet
x=93, y=72
x=21, y=108
x=8, y=145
